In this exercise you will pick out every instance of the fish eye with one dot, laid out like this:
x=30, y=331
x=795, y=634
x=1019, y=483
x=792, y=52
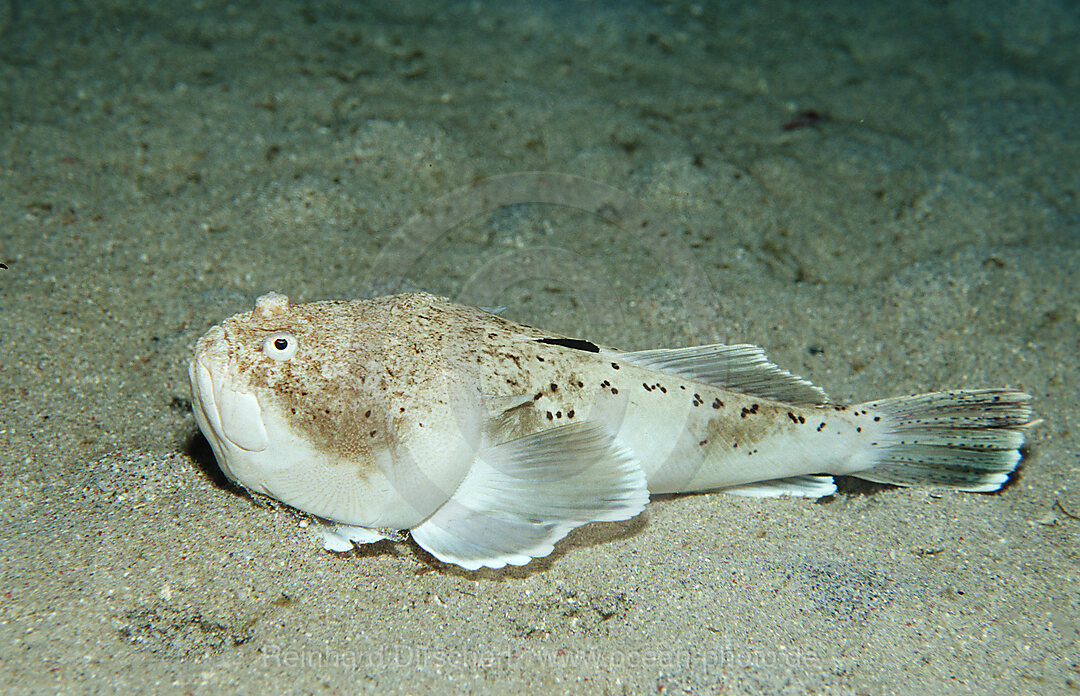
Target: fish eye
x=280, y=346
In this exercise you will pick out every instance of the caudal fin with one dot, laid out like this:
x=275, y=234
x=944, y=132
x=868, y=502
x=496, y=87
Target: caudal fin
x=966, y=440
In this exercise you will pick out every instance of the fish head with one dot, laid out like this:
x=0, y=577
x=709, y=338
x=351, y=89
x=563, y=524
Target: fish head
x=236, y=362
x=289, y=402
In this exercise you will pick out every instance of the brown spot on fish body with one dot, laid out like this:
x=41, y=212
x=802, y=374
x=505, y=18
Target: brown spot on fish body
x=744, y=412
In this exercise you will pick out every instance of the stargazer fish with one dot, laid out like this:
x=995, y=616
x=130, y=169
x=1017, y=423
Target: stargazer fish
x=489, y=440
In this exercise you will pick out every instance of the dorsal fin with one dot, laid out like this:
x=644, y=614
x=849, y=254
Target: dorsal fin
x=740, y=367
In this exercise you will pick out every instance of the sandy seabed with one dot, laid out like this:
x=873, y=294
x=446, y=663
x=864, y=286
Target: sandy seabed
x=884, y=196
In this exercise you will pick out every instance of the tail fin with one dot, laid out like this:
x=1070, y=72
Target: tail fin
x=966, y=440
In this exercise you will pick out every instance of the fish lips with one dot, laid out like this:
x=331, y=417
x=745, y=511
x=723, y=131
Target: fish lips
x=231, y=420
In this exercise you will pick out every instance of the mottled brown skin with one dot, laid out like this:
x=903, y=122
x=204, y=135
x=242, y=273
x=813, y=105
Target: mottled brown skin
x=367, y=370
x=331, y=403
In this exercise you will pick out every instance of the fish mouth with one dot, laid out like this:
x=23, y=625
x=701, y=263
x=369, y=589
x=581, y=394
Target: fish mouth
x=231, y=419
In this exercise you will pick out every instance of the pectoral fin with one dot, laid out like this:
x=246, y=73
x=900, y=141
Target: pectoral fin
x=522, y=496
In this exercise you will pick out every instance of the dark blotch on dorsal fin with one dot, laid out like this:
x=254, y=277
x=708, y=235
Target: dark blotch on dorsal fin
x=575, y=343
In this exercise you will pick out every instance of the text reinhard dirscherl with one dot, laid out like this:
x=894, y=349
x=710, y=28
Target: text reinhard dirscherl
x=420, y=658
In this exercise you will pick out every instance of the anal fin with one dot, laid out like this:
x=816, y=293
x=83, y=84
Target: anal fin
x=810, y=486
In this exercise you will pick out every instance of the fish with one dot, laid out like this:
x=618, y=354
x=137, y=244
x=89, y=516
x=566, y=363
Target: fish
x=488, y=440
